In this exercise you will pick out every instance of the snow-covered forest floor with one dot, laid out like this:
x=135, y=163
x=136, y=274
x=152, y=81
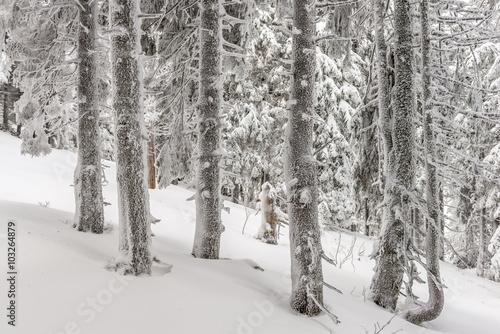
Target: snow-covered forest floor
x=63, y=286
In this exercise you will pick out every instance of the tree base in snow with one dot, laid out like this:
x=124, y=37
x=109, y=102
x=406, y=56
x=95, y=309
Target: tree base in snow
x=267, y=238
x=121, y=265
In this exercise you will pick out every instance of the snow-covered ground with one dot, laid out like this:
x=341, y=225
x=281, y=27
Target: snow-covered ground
x=63, y=286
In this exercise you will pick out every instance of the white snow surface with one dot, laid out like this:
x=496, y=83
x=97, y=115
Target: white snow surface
x=63, y=286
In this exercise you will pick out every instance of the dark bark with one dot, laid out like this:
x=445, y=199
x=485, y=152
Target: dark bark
x=5, y=119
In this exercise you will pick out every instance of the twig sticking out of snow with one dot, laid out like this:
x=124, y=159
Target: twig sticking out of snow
x=332, y=316
x=248, y=212
x=379, y=329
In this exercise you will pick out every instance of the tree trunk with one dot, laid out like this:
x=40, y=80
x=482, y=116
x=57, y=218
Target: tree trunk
x=366, y=217
x=432, y=309
x=399, y=148
x=300, y=167
x=151, y=161
x=89, y=213
x=381, y=295
x=465, y=210
x=268, y=231
x=417, y=228
x=148, y=45
x=441, y=223
x=484, y=256
x=208, y=187
x=131, y=135
x=6, y=109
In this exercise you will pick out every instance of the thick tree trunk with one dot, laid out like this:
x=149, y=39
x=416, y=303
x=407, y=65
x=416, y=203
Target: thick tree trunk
x=434, y=306
x=300, y=167
x=399, y=155
x=208, y=187
x=131, y=135
x=89, y=213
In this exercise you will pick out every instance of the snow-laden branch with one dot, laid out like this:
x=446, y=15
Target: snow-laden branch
x=321, y=4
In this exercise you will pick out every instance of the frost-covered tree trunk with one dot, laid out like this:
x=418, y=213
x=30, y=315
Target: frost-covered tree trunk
x=131, y=135
x=484, y=256
x=89, y=213
x=494, y=249
x=268, y=231
x=380, y=295
x=151, y=161
x=399, y=156
x=300, y=167
x=465, y=210
x=208, y=199
x=432, y=309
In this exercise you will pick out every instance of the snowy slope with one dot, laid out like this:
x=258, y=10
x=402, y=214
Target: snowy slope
x=63, y=286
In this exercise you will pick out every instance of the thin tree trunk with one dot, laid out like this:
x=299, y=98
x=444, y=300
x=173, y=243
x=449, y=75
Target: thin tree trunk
x=417, y=228
x=89, y=213
x=208, y=187
x=366, y=217
x=130, y=135
x=465, y=210
x=441, y=223
x=484, y=256
x=399, y=157
x=432, y=309
x=382, y=296
x=148, y=45
x=300, y=167
x=6, y=108
x=151, y=161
